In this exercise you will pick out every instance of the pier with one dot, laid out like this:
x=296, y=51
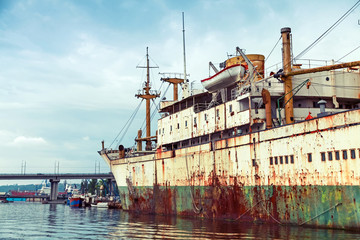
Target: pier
x=55, y=178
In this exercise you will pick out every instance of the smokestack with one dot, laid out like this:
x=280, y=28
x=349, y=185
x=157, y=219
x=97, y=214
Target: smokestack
x=287, y=66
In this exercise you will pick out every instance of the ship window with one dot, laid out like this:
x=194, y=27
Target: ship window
x=170, y=128
x=230, y=108
x=337, y=155
x=163, y=131
x=276, y=160
x=323, y=158
x=330, y=156
x=309, y=157
x=287, y=159
x=292, y=159
x=217, y=113
x=159, y=131
x=271, y=161
x=205, y=117
x=344, y=154
x=281, y=160
x=195, y=121
x=352, y=153
x=253, y=162
x=178, y=126
x=185, y=123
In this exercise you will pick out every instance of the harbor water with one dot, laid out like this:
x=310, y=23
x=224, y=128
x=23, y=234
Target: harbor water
x=56, y=221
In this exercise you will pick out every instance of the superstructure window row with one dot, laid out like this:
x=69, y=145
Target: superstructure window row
x=335, y=155
x=282, y=160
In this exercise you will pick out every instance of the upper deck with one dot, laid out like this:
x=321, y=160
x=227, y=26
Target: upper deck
x=196, y=117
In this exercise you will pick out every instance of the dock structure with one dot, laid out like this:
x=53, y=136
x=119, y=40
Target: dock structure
x=55, y=178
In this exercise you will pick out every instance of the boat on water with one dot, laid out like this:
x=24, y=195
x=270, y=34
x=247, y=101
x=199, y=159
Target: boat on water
x=282, y=148
x=100, y=205
x=76, y=201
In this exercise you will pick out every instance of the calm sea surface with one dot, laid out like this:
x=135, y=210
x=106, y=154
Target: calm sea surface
x=50, y=221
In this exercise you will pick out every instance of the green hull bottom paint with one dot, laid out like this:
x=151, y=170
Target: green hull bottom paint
x=319, y=206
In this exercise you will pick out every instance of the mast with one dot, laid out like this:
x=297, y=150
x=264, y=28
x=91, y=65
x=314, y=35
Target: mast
x=186, y=84
x=174, y=80
x=147, y=95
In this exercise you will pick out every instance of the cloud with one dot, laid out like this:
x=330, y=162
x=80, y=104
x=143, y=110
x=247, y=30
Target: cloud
x=70, y=73
x=22, y=140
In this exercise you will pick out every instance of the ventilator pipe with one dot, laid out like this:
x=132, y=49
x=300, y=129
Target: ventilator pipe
x=139, y=143
x=267, y=101
x=322, y=105
x=332, y=77
x=121, y=151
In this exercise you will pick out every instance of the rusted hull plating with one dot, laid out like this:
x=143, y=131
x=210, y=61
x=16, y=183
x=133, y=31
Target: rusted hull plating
x=321, y=206
x=306, y=173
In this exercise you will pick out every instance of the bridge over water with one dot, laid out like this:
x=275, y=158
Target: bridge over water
x=55, y=178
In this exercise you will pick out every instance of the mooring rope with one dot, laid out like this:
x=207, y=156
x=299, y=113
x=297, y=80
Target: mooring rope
x=236, y=219
x=271, y=215
x=195, y=208
x=327, y=210
x=259, y=202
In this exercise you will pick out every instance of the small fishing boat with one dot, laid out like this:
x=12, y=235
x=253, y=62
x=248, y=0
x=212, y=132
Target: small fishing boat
x=76, y=202
x=100, y=205
x=224, y=78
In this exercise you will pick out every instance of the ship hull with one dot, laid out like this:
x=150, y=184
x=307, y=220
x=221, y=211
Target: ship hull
x=277, y=175
x=319, y=206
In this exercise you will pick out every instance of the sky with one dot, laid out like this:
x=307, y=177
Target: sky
x=68, y=75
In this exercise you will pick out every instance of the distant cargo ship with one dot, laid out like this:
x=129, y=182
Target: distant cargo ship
x=283, y=148
x=22, y=193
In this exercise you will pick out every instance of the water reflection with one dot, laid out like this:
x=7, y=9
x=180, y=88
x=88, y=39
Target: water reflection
x=47, y=221
x=52, y=214
x=148, y=226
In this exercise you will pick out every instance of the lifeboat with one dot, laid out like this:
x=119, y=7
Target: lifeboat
x=224, y=78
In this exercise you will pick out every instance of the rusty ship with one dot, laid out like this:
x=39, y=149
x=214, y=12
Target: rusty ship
x=283, y=148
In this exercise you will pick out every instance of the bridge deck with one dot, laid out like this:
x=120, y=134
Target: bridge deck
x=13, y=176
